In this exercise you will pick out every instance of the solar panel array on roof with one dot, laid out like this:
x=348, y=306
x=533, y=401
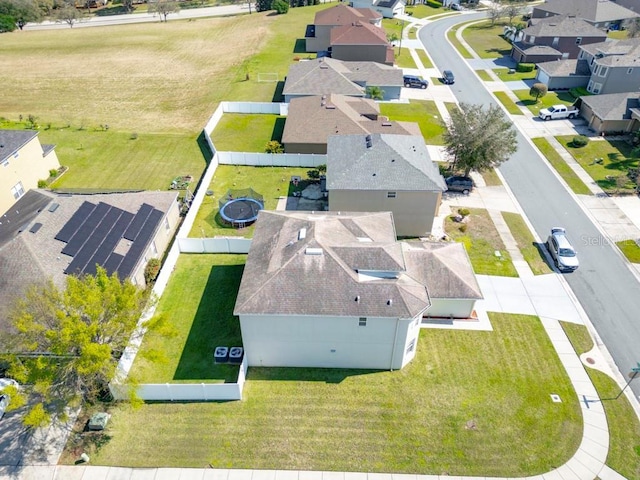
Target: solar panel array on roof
x=112, y=263
x=138, y=221
x=82, y=234
x=110, y=242
x=74, y=223
x=142, y=240
x=35, y=228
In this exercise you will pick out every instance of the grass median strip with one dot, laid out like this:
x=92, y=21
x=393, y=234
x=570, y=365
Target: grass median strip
x=630, y=249
x=451, y=36
x=530, y=249
x=564, y=170
x=509, y=104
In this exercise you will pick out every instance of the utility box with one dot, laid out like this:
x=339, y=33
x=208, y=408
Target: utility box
x=98, y=421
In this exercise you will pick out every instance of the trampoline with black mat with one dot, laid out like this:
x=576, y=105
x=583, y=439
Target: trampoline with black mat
x=240, y=207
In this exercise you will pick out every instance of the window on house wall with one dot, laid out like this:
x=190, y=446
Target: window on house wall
x=411, y=346
x=532, y=39
x=166, y=223
x=391, y=194
x=596, y=87
x=590, y=86
x=603, y=71
x=362, y=322
x=578, y=42
x=17, y=190
x=154, y=250
x=555, y=42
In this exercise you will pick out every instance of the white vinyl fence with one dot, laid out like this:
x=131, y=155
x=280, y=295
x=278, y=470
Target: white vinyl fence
x=214, y=245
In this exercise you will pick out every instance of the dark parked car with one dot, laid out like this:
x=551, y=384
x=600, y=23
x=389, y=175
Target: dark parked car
x=411, y=81
x=448, y=78
x=459, y=184
x=561, y=250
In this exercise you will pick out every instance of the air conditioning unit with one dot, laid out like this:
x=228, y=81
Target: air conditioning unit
x=235, y=355
x=221, y=355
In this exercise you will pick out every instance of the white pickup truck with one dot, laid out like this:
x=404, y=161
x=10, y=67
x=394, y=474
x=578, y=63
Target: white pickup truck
x=558, y=111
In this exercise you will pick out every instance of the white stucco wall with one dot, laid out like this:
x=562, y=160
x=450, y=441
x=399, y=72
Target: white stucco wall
x=328, y=342
x=450, y=307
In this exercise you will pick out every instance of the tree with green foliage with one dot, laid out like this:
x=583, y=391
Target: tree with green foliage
x=375, y=93
x=22, y=11
x=479, y=138
x=7, y=23
x=538, y=90
x=264, y=5
x=163, y=8
x=67, y=343
x=280, y=6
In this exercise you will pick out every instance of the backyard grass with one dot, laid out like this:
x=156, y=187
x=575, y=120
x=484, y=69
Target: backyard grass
x=451, y=36
x=509, y=104
x=270, y=182
x=239, y=132
x=198, y=303
x=624, y=427
x=481, y=239
x=630, y=249
x=459, y=407
x=486, y=39
x=564, y=170
x=451, y=107
x=491, y=178
x=530, y=249
x=484, y=76
x=115, y=160
x=424, y=11
x=423, y=112
x=617, y=34
x=504, y=75
x=424, y=58
x=616, y=162
x=404, y=58
x=551, y=98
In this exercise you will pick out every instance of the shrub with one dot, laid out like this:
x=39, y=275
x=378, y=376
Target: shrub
x=280, y=6
x=434, y=4
x=42, y=184
x=464, y=212
x=313, y=174
x=273, y=146
x=151, y=270
x=53, y=172
x=463, y=227
x=579, y=141
x=525, y=67
x=134, y=136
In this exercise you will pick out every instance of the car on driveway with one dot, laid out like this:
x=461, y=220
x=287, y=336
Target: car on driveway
x=561, y=251
x=412, y=81
x=459, y=184
x=4, y=403
x=448, y=78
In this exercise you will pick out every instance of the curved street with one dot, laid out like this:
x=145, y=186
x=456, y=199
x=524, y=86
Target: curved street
x=604, y=284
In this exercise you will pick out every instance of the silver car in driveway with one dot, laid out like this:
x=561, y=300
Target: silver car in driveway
x=562, y=252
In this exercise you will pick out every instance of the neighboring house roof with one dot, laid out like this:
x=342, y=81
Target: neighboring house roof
x=536, y=49
x=612, y=106
x=313, y=119
x=13, y=140
x=358, y=33
x=28, y=256
x=629, y=59
x=328, y=75
x=316, y=274
x=563, y=26
x=381, y=162
x=612, y=47
x=565, y=68
x=444, y=267
x=387, y=3
x=344, y=15
x=592, y=10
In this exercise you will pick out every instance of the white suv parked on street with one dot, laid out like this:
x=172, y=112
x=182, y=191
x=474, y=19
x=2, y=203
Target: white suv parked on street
x=561, y=250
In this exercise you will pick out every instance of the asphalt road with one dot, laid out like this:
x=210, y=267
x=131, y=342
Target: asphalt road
x=608, y=291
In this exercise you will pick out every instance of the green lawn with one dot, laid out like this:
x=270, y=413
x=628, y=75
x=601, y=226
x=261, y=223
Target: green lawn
x=239, y=132
x=551, y=98
x=404, y=58
x=393, y=26
x=529, y=248
x=424, y=58
x=413, y=33
x=486, y=40
x=270, y=182
x=198, y=303
x=616, y=161
x=451, y=107
x=115, y=160
x=624, y=427
x=491, y=178
x=617, y=34
x=481, y=239
x=630, y=249
x=459, y=407
x=509, y=104
x=484, y=76
x=451, y=36
x=564, y=170
x=505, y=76
x=424, y=11
x=423, y=112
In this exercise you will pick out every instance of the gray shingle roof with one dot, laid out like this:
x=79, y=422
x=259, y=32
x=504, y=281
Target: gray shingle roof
x=612, y=106
x=358, y=33
x=566, y=68
x=563, y=26
x=629, y=59
x=592, y=10
x=13, y=140
x=281, y=278
x=392, y=162
x=536, y=49
x=324, y=76
x=313, y=119
x=342, y=15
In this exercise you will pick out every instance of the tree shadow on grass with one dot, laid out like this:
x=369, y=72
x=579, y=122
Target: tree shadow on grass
x=326, y=375
x=213, y=325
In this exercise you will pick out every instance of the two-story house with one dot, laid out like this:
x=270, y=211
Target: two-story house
x=318, y=35
x=554, y=38
x=614, y=65
x=602, y=14
x=387, y=8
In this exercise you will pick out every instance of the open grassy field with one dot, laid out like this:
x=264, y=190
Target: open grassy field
x=551, y=98
x=270, y=182
x=423, y=112
x=564, y=170
x=486, y=39
x=156, y=77
x=240, y=132
x=459, y=407
x=624, y=427
x=482, y=240
x=616, y=161
x=530, y=249
x=198, y=303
